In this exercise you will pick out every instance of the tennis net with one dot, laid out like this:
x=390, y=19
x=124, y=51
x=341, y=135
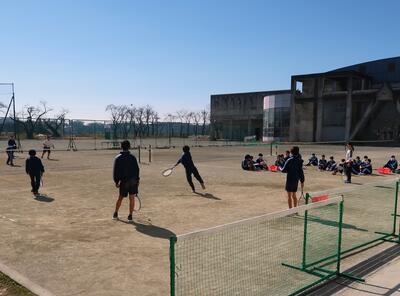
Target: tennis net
x=264, y=255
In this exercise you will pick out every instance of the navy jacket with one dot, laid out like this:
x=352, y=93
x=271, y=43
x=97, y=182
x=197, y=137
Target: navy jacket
x=33, y=165
x=187, y=161
x=294, y=169
x=392, y=164
x=125, y=167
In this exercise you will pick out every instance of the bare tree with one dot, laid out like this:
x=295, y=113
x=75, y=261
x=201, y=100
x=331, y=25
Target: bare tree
x=205, y=118
x=54, y=125
x=139, y=116
x=154, y=123
x=147, y=112
x=181, y=116
x=188, y=120
x=118, y=114
x=196, y=119
x=33, y=116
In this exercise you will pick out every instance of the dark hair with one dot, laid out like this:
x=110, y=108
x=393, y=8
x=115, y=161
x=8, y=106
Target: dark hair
x=393, y=156
x=331, y=157
x=365, y=156
x=312, y=153
x=125, y=145
x=287, y=151
x=247, y=156
x=295, y=150
x=343, y=159
x=32, y=152
x=358, y=157
x=186, y=148
x=323, y=155
x=260, y=154
x=369, y=160
x=351, y=145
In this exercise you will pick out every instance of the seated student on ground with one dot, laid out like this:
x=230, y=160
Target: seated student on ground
x=247, y=163
x=339, y=168
x=260, y=163
x=313, y=160
x=356, y=166
x=392, y=164
x=330, y=164
x=280, y=161
x=366, y=167
x=322, y=163
x=287, y=155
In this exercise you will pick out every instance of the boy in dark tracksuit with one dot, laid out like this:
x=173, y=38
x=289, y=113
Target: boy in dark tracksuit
x=330, y=165
x=322, y=163
x=34, y=168
x=187, y=161
x=392, y=164
x=293, y=167
x=126, y=178
x=313, y=160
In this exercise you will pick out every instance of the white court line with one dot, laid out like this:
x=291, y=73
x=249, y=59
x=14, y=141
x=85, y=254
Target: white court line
x=12, y=220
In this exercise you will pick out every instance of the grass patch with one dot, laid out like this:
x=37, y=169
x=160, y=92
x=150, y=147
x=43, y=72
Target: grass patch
x=8, y=287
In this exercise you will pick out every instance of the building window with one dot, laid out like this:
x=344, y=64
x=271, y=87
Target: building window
x=392, y=67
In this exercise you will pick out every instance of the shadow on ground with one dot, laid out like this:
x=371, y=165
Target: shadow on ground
x=207, y=195
x=43, y=198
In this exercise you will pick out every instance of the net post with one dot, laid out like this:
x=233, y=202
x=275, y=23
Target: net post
x=149, y=153
x=270, y=149
x=139, y=154
x=172, y=241
x=396, y=199
x=339, y=244
x=304, y=263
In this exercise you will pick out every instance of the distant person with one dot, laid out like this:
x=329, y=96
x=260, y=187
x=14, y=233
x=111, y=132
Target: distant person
x=322, y=163
x=356, y=166
x=348, y=162
x=35, y=169
x=293, y=167
x=313, y=161
x=126, y=178
x=47, y=145
x=280, y=161
x=339, y=167
x=392, y=164
x=366, y=167
x=247, y=163
x=287, y=155
x=190, y=169
x=330, y=165
x=11, y=147
x=260, y=162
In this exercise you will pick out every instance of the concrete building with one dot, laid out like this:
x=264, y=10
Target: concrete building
x=359, y=102
x=276, y=117
x=235, y=116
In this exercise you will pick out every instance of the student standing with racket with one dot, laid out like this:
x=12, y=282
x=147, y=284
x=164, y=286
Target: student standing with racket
x=349, y=162
x=47, y=145
x=293, y=167
x=187, y=161
x=126, y=178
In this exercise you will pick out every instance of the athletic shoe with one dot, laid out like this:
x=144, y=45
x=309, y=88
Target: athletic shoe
x=130, y=220
x=203, y=186
x=347, y=182
x=115, y=216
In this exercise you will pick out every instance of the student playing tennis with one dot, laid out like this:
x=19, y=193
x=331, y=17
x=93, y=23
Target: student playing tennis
x=34, y=168
x=47, y=145
x=187, y=161
x=126, y=178
x=294, y=169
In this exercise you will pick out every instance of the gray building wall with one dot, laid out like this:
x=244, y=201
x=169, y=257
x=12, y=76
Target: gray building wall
x=235, y=116
x=359, y=102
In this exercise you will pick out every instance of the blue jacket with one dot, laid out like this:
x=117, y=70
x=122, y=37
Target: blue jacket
x=125, y=167
x=392, y=164
x=293, y=167
x=33, y=165
x=187, y=161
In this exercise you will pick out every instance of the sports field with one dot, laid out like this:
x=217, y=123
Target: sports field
x=67, y=243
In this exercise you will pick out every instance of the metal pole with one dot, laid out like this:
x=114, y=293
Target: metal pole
x=15, y=121
x=95, y=138
x=172, y=242
x=305, y=234
x=139, y=154
x=149, y=153
x=339, y=247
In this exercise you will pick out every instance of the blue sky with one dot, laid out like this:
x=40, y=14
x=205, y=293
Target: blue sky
x=84, y=55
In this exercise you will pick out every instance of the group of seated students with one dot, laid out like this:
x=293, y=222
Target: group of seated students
x=249, y=164
x=358, y=167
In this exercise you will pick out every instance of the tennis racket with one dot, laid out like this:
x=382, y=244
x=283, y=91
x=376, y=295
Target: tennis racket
x=168, y=172
x=138, y=203
x=302, y=199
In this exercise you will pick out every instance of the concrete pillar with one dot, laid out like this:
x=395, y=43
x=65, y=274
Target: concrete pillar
x=349, y=109
x=320, y=110
x=292, y=127
x=249, y=131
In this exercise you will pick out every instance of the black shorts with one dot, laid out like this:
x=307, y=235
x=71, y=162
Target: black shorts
x=128, y=187
x=46, y=149
x=291, y=186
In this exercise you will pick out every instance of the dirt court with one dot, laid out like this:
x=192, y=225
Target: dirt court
x=68, y=243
